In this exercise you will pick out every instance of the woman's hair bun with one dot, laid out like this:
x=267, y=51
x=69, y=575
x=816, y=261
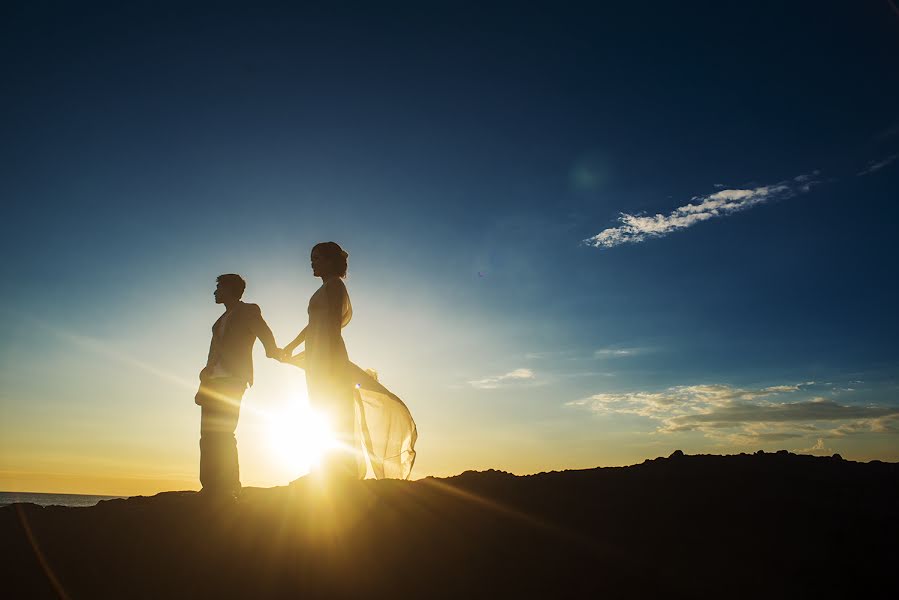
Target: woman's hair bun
x=336, y=256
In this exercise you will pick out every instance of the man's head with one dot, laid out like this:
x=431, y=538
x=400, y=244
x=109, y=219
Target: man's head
x=229, y=288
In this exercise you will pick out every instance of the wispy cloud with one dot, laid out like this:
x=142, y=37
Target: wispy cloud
x=877, y=165
x=885, y=424
x=512, y=377
x=619, y=352
x=739, y=415
x=637, y=228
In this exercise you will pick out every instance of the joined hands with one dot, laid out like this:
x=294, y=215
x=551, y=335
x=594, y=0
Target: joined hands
x=284, y=355
x=280, y=354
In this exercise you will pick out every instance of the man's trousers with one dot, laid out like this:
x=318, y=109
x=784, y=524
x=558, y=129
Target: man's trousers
x=220, y=403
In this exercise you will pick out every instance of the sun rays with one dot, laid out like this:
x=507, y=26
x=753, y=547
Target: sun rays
x=299, y=437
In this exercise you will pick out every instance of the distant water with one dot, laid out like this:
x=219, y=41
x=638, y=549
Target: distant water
x=7, y=498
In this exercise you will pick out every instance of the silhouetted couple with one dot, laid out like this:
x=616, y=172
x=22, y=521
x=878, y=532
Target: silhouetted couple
x=374, y=429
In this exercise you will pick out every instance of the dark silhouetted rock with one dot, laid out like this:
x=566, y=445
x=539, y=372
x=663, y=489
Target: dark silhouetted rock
x=703, y=526
x=676, y=454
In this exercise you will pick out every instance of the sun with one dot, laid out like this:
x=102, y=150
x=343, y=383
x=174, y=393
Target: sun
x=300, y=437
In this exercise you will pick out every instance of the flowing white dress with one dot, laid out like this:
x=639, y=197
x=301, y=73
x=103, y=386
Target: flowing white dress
x=366, y=416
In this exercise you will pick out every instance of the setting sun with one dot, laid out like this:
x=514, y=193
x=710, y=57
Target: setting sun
x=299, y=437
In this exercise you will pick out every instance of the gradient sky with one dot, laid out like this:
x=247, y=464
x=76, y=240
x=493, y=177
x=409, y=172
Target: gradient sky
x=578, y=236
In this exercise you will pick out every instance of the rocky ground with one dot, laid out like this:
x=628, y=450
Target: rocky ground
x=761, y=525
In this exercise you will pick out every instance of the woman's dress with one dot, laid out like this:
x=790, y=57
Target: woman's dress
x=365, y=416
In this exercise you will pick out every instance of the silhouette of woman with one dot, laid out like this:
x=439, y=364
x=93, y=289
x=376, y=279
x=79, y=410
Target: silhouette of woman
x=373, y=427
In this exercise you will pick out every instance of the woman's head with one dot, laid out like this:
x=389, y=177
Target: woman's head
x=328, y=260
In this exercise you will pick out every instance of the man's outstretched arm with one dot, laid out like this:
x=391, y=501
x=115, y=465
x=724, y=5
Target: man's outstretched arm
x=262, y=331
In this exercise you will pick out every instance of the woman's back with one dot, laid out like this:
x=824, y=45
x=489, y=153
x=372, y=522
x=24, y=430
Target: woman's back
x=326, y=354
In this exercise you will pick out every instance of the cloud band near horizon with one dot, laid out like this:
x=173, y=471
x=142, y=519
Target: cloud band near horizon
x=737, y=416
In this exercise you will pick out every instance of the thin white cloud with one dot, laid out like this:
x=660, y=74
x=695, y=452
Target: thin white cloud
x=618, y=352
x=875, y=166
x=516, y=376
x=781, y=388
x=744, y=416
x=637, y=228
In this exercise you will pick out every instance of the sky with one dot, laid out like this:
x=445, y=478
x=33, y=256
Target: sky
x=580, y=235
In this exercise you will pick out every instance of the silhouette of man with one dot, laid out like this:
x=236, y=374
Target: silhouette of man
x=223, y=381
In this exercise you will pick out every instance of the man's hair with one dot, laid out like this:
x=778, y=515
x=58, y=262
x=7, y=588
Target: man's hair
x=233, y=282
x=337, y=258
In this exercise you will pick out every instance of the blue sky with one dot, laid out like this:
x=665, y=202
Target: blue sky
x=464, y=155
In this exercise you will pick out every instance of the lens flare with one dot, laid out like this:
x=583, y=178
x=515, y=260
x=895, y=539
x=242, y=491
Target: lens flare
x=300, y=437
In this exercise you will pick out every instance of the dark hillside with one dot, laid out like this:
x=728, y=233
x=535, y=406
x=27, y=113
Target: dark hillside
x=762, y=525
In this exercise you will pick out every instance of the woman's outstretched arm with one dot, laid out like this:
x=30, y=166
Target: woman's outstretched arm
x=289, y=348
